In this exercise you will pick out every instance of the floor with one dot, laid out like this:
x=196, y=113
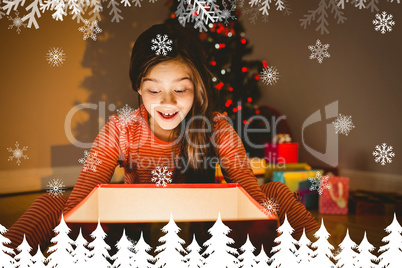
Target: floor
x=13, y=206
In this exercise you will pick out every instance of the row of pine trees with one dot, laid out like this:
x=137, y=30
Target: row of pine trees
x=218, y=253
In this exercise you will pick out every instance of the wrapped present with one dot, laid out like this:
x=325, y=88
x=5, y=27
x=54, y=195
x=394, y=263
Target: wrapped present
x=308, y=198
x=293, y=178
x=281, y=152
x=335, y=199
x=256, y=164
x=147, y=208
x=271, y=167
x=374, y=203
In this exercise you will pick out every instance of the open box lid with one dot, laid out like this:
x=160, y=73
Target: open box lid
x=128, y=203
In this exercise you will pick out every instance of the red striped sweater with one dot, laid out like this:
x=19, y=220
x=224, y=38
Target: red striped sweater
x=128, y=140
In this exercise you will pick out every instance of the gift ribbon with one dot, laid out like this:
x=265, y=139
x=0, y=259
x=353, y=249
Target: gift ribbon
x=281, y=138
x=302, y=193
x=339, y=200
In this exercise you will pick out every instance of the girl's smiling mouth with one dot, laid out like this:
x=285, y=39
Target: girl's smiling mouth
x=168, y=116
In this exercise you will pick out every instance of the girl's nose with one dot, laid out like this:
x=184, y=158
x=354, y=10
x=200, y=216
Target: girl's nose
x=169, y=98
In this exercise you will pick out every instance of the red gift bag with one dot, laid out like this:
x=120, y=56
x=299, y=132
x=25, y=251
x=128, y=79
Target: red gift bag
x=335, y=199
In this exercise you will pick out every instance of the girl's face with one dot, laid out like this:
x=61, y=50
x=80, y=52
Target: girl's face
x=167, y=93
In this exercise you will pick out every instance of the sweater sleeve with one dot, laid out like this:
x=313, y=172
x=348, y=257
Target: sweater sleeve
x=233, y=158
x=105, y=153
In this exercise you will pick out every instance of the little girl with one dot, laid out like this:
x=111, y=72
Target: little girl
x=174, y=131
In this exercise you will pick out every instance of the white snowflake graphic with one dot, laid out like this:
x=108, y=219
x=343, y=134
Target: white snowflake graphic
x=90, y=29
x=383, y=154
x=319, y=51
x=55, y=57
x=55, y=188
x=319, y=183
x=90, y=161
x=202, y=12
x=343, y=124
x=269, y=75
x=17, y=153
x=383, y=22
x=161, y=176
x=17, y=22
x=270, y=206
x=126, y=115
x=162, y=44
x=227, y=13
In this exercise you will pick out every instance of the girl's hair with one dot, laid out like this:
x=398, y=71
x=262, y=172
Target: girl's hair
x=187, y=49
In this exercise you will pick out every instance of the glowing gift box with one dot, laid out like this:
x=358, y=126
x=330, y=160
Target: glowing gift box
x=194, y=207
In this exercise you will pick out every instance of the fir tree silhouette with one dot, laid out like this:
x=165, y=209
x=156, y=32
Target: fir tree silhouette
x=6, y=261
x=286, y=249
x=24, y=258
x=62, y=249
x=218, y=252
x=247, y=257
x=365, y=257
x=323, y=251
x=124, y=256
x=346, y=258
x=262, y=259
x=81, y=252
x=38, y=259
x=194, y=259
x=141, y=258
x=304, y=252
x=392, y=252
x=99, y=254
x=170, y=253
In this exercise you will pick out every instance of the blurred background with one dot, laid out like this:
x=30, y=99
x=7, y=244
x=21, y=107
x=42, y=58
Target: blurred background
x=362, y=74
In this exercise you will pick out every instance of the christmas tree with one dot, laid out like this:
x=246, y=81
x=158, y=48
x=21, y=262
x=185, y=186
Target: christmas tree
x=365, y=257
x=141, y=258
x=124, y=255
x=6, y=260
x=219, y=253
x=323, y=251
x=38, y=260
x=304, y=252
x=99, y=253
x=81, y=252
x=194, y=259
x=285, y=251
x=24, y=258
x=170, y=253
x=62, y=248
x=392, y=252
x=247, y=257
x=262, y=259
x=236, y=81
x=347, y=256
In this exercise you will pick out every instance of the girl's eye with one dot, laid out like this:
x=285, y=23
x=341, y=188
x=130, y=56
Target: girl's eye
x=180, y=91
x=153, y=92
